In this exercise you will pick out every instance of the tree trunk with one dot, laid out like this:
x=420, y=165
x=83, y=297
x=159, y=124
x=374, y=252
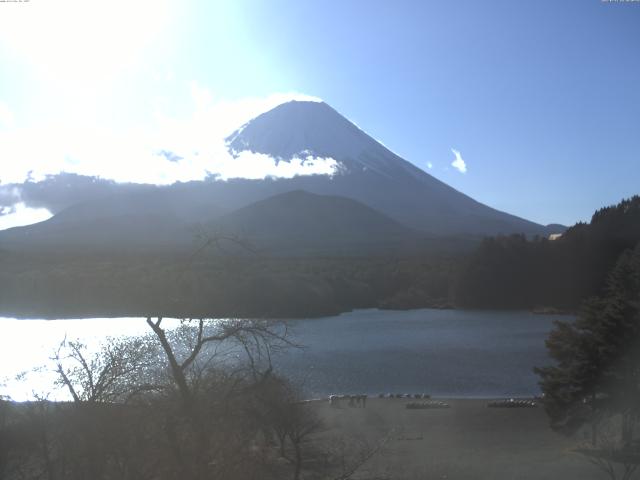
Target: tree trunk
x=594, y=422
x=176, y=370
x=627, y=428
x=298, y=465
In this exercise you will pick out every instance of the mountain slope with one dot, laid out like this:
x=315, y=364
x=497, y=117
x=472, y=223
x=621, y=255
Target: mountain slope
x=291, y=223
x=301, y=222
x=127, y=233
x=366, y=172
x=369, y=172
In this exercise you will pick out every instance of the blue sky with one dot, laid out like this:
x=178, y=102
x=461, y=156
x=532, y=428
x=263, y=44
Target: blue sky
x=541, y=98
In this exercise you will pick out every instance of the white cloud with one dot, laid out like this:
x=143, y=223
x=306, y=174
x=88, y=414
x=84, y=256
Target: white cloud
x=77, y=41
x=257, y=165
x=201, y=96
x=429, y=165
x=136, y=155
x=6, y=117
x=459, y=164
x=19, y=214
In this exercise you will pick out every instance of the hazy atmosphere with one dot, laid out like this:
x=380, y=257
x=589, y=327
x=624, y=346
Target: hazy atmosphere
x=319, y=240
x=527, y=107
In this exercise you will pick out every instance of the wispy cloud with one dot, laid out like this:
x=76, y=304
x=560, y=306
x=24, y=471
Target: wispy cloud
x=167, y=150
x=19, y=214
x=459, y=163
x=9, y=196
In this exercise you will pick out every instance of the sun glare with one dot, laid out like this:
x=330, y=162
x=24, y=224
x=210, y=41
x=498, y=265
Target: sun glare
x=81, y=41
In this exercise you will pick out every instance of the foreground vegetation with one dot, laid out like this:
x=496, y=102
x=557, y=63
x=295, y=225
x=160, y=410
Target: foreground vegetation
x=174, y=405
x=595, y=381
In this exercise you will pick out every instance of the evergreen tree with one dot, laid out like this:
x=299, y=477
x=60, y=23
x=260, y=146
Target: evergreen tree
x=516, y=272
x=598, y=356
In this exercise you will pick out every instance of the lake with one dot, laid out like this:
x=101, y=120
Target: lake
x=446, y=353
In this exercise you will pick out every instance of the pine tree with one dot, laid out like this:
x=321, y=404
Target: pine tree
x=597, y=371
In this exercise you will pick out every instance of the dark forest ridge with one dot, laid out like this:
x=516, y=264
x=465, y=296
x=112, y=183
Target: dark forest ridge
x=513, y=272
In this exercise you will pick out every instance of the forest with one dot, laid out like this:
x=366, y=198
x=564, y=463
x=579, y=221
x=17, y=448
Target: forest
x=514, y=272
x=503, y=272
x=218, y=285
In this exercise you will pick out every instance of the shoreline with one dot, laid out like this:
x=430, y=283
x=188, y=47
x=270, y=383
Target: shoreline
x=451, y=398
x=113, y=316
x=467, y=441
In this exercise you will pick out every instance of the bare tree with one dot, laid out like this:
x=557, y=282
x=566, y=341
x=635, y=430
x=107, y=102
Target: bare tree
x=191, y=353
x=610, y=453
x=108, y=375
x=253, y=336
x=5, y=411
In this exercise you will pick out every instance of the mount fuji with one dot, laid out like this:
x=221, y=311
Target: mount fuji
x=401, y=202
x=368, y=172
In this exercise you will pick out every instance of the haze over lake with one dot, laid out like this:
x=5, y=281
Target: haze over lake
x=449, y=353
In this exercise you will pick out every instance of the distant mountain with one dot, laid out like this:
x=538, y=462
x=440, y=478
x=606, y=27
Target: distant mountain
x=395, y=199
x=291, y=223
x=369, y=172
x=302, y=222
x=127, y=233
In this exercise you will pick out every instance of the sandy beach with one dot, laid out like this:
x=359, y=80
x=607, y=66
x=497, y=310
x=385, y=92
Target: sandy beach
x=466, y=441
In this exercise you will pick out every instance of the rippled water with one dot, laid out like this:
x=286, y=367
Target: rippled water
x=441, y=352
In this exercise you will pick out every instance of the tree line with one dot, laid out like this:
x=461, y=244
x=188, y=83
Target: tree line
x=217, y=285
x=516, y=272
x=510, y=272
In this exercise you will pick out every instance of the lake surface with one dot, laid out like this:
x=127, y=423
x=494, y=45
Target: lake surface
x=448, y=353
